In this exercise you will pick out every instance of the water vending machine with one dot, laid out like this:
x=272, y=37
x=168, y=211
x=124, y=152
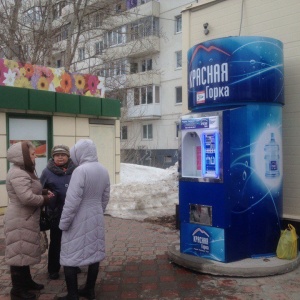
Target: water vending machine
x=230, y=186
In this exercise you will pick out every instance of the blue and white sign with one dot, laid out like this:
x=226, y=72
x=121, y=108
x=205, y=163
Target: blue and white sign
x=203, y=241
x=235, y=70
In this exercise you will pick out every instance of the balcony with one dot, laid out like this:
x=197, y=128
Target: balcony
x=134, y=49
x=143, y=78
x=151, y=8
x=144, y=111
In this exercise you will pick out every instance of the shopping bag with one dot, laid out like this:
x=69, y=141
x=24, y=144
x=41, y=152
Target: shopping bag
x=287, y=247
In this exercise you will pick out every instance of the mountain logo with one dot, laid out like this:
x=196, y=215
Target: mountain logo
x=202, y=238
x=209, y=49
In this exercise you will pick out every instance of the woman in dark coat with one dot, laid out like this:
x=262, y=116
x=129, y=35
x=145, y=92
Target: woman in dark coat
x=56, y=177
x=21, y=220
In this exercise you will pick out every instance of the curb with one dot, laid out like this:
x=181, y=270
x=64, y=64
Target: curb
x=250, y=267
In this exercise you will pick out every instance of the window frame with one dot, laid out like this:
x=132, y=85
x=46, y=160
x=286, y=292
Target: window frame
x=146, y=65
x=177, y=88
x=57, y=9
x=134, y=68
x=99, y=48
x=97, y=20
x=178, y=24
x=178, y=56
x=177, y=129
x=81, y=53
x=147, y=131
x=124, y=132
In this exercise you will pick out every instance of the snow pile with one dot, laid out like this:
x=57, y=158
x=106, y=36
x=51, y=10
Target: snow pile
x=144, y=192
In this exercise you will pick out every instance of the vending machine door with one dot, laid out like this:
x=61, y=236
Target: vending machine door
x=200, y=147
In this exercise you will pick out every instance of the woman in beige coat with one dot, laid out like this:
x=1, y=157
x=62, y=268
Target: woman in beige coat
x=21, y=220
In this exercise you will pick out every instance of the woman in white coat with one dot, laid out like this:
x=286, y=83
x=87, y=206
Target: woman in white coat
x=82, y=220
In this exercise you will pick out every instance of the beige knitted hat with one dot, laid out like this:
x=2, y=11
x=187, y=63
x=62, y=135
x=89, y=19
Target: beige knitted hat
x=60, y=149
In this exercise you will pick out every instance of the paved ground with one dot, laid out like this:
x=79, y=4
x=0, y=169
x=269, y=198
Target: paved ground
x=137, y=267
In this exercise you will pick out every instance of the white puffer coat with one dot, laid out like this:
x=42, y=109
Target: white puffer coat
x=82, y=220
x=21, y=220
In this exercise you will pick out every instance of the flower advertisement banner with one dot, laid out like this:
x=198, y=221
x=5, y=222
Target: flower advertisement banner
x=16, y=74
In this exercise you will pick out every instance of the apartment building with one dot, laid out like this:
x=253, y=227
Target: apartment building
x=136, y=45
x=138, y=49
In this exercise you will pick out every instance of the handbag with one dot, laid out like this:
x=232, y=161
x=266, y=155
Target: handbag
x=287, y=247
x=45, y=222
x=43, y=242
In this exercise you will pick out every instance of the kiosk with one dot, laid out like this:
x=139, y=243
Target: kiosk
x=230, y=185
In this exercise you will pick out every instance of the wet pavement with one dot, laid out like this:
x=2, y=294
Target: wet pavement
x=137, y=267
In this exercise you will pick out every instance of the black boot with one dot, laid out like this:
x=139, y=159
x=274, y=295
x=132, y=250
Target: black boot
x=28, y=281
x=18, y=291
x=88, y=291
x=72, y=286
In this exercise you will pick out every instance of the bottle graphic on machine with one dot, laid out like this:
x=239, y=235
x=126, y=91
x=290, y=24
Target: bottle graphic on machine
x=272, y=158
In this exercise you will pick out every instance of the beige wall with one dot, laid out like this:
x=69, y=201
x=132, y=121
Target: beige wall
x=279, y=19
x=68, y=130
x=3, y=164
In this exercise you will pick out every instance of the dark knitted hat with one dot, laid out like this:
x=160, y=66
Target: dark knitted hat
x=60, y=149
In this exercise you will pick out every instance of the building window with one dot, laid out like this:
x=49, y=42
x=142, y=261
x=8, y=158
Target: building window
x=120, y=7
x=146, y=65
x=178, y=94
x=97, y=20
x=99, y=48
x=178, y=24
x=177, y=129
x=143, y=95
x=57, y=9
x=58, y=63
x=147, y=94
x=147, y=132
x=134, y=31
x=178, y=59
x=133, y=68
x=113, y=38
x=63, y=33
x=144, y=27
x=136, y=96
x=81, y=53
x=124, y=133
x=120, y=67
x=33, y=15
x=157, y=96
x=131, y=4
x=123, y=98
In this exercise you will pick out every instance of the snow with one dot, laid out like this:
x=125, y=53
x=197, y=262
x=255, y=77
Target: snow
x=144, y=192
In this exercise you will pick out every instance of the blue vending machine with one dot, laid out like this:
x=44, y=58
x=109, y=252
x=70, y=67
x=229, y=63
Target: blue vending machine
x=230, y=185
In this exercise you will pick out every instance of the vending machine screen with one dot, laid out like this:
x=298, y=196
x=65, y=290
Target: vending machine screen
x=210, y=154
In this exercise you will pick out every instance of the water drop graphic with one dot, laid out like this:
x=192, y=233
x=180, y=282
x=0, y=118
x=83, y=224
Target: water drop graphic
x=244, y=175
x=252, y=61
x=211, y=60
